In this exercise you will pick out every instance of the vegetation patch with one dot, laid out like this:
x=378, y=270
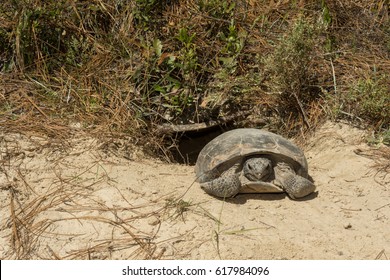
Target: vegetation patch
x=129, y=67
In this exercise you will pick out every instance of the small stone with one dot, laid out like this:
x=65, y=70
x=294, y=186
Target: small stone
x=153, y=221
x=348, y=226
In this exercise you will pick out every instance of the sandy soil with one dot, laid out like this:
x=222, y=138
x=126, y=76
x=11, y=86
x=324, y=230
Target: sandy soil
x=82, y=200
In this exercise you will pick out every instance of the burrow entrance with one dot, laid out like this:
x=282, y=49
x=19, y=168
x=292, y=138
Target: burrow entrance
x=189, y=144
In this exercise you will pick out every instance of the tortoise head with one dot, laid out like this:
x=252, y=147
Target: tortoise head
x=257, y=168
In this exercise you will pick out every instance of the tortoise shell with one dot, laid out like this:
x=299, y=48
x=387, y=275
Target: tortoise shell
x=235, y=146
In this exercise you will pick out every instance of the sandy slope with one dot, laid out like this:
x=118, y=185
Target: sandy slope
x=77, y=200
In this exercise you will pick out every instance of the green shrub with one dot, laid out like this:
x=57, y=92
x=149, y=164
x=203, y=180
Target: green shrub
x=370, y=98
x=289, y=63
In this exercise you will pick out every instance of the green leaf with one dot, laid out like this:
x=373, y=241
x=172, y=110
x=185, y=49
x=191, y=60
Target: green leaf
x=157, y=46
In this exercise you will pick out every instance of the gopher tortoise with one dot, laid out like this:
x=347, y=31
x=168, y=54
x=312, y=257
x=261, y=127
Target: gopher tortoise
x=248, y=160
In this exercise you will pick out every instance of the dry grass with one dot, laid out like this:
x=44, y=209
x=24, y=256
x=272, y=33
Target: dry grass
x=30, y=229
x=32, y=232
x=126, y=67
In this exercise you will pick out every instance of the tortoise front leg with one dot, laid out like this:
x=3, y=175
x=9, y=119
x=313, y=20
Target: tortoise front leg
x=226, y=185
x=296, y=186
